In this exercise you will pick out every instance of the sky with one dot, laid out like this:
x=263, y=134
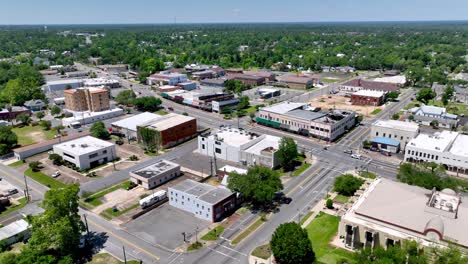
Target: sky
x=14, y=12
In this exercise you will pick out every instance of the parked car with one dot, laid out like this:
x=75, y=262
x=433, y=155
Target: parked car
x=119, y=142
x=356, y=156
x=348, y=151
x=385, y=153
x=170, y=109
x=56, y=174
x=12, y=191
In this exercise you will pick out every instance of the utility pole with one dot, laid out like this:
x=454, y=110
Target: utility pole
x=196, y=235
x=26, y=191
x=86, y=223
x=125, y=257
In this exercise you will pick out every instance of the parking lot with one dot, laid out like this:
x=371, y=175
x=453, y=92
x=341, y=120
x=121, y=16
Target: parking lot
x=339, y=101
x=286, y=94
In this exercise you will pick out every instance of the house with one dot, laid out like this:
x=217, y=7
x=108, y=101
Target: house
x=299, y=81
x=86, y=152
x=12, y=233
x=368, y=97
x=355, y=85
x=447, y=148
x=388, y=213
x=155, y=174
x=400, y=131
x=11, y=112
x=425, y=114
x=203, y=200
x=35, y=105
x=237, y=145
x=302, y=119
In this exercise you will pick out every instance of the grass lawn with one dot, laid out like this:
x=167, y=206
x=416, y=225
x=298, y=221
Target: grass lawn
x=120, y=212
x=194, y=246
x=105, y=258
x=367, y=174
x=321, y=231
x=376, y=111
x=452, y=108
x=305, y=217
x=44, y=179
x=242, y=210
x=341, y=199
x=247, y=231
x=213, y=234
x=93, y=199
x=301, y=169
x=329, y=80
x=24, y=134
x=263, y=252
x=16, y=164
x=161, y=112
x=12, y=208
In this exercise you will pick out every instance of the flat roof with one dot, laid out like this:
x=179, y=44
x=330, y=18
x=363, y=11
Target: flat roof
x=132, y=122
x=156, y=168
x=460, y=146
x=369, y=93
x=283, y=108
x=396, y=124
x=65, y=81
x=306, y=114
x=232, y=136
x=84, y=145
x=91, y=90
x=167, y=121
x=402, y=206
x=202, y=191
x=439, y=142
x=386, y=141
x=268, y=142
x=13, y=229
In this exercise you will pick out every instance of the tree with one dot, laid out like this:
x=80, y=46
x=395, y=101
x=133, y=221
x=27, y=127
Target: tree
x=329, y=204
x=449, y=256
x=40, y=115
x=8, y=258
x=125, y=97
x=425, y=95
x=434, y=124
x=290, y=244
x=347, y=184
x=396, y=116
x=45, y=124
x=147, y=103
x=392, y=95
x=258, y=186
x=56, y=159
x=243, y=103
x=25, y=119
x=448, y=94
x=55, y=110
x=59, y=228
x=8, y=140
x=35, y=166
x=409, y=252
x=99, y=130
x=287, y=153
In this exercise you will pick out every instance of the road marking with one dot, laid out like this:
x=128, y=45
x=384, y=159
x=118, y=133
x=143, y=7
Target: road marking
x=224, y=254
x=238, y=252
x=122, y=239
x=297, y=186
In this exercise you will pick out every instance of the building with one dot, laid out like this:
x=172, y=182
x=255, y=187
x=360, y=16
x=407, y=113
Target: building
x=31, y=150
x=224, y=105
x=399, y=80
x=167, y=78
x=11, y=112
x=300, y=118
x=223, y=173
x=385, y=144
x=355, y=85
x=76, y=74
x=87, y=99
x=268, y=75
x=447, y=148
x=213, y=82
x=88, y=117
x=237, y=145
x=400, y=131
x=128, y=126
x=61, y=85
x=204, y=201
x=267, y=93
x=425, y=114
x=86, y=152
x=368, y=97
x=390, y=212
x=168, y=130
x=201, y=75
x=114, y=68
x=167, y=88
x=35, y=105
x=12, y=233
x=299, y=81
x=155, y=174
x=188, y=86
x=100, y=82
x=248, y=79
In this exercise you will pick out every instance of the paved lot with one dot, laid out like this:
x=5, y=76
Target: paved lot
x=286, y=94
x=164, y=226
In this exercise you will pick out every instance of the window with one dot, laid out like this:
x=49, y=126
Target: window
x=203, y=207
x=203, y=146
x=376, y=134
x=218, y=150
x=104, y=151
x=93, y=155
x=68, y=155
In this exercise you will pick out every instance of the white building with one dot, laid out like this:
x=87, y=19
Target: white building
x=61, y=85
x=446, y=147
x=155, y=174
x=86, y=152
x=237, y=145
x=128, y=126
x=203, y=200
x=98, y=82
x=223, y=173
x=14, y=232
x=425, y=114
x=87, y=117
x=400, y=131
x=167, y=78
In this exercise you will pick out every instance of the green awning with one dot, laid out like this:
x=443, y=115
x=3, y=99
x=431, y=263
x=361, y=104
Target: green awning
x=267, y=122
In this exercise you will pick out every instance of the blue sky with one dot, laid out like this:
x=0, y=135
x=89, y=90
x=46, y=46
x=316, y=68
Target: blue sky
x=214, y=11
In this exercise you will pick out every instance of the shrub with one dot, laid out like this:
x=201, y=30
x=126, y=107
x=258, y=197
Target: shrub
x=329, y=204
x=35, y=166
x=347, y=184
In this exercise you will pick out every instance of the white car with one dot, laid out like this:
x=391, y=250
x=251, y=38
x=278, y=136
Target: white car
x=356, y=156
x=56, y=174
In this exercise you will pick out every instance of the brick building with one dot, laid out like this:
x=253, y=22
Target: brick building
x=249, y=79
x=299, y=81
x=87, y=99
x=367, y=97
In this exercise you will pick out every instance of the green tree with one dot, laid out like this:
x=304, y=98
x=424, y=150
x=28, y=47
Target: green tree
x=392, y=95
x=434, y=124
x=147, y=103
x=35, y=166
x=56, y=159
x=40, y=115
x=8, y=258
x=287, y=153
x=425, y=95
x=55, y=110
x=409, y=252
x=25, y=119
x=448, y=94
x=45, y=124
x=329, y=204
x=258, y=186
x=449, y=256
x=396, y=116
x=125, y=97
x=8, y=140
x=99, y=130
x=290, y=244
x=243, y=103
x=347, y=184
x=59, y=228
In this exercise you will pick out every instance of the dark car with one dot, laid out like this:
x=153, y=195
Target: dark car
x=170, y=109
x=348, y=151
x=119, y=142
x=385, y=153
x=12, y=191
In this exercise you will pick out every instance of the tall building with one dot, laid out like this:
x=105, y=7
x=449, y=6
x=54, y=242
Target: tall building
x=87, y=99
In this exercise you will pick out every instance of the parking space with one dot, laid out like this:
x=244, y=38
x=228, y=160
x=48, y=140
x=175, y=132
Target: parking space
x=6, y=188
x=164, y=226
x=286, y=94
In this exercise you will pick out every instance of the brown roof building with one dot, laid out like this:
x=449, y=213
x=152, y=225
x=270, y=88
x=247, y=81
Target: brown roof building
x=269, y=76
x=366, y=97
x=299, y=81
x=87, y=99
x=248, y=79
x=359, y=84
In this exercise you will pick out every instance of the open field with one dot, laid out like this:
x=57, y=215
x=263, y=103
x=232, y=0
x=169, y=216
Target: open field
x=28, y=135
x=342, y=102
x=44, y=179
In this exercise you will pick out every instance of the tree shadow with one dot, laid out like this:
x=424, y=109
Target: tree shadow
x=95, y=243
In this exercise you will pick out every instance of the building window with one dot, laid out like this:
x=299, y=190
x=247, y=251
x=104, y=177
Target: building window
x=218, y=150
x=376, y=134
x=104, y=151
x=203, y=146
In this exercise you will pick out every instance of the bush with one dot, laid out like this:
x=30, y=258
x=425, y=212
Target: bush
x=347, y=184
x=133, y=158
x=56, y=159
x=329, y=204
x=45, y=124
x=35, y=166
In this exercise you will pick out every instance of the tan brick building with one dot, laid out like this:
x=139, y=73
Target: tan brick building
x=87, y=99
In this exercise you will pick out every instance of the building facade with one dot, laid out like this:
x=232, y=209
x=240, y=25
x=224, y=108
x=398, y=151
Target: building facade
x=167, y=78
x=355, y=85
x=302, y=82
x=367, y=97
x=87, y=99
x=426, y=114
x=400, y=131
x=155, y=174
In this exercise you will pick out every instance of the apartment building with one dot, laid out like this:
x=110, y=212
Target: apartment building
x=87, y=99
